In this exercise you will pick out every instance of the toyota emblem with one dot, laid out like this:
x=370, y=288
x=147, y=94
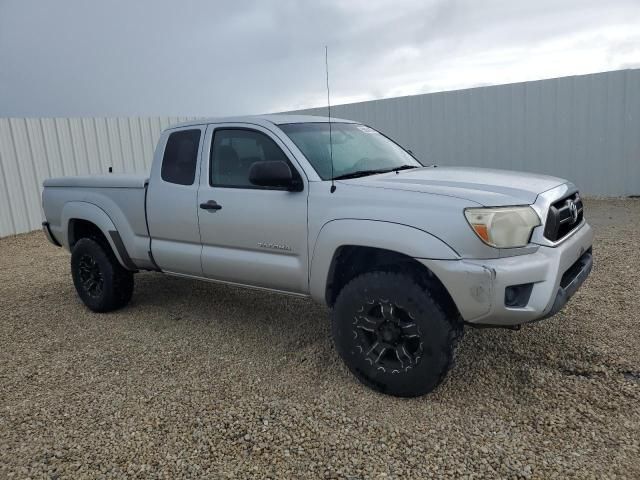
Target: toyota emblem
x=573, y=209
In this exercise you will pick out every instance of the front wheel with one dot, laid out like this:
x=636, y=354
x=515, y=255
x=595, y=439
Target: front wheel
x=102, y=283
x=392, y=335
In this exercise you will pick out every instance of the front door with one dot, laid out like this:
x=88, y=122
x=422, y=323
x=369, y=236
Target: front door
x=250, y=235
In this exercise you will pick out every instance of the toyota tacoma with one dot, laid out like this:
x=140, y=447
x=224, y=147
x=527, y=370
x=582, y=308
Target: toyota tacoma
x=403, y=254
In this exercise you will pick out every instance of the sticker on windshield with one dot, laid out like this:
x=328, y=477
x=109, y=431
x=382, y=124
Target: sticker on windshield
x=366, y=129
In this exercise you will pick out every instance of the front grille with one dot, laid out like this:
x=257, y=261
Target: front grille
x=564, y=215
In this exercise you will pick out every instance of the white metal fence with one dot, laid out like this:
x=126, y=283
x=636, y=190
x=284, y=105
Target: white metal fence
x=584, y=128
x=32, y=149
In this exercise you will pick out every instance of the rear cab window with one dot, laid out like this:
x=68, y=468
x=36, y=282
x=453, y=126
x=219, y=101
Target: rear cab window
x=181, y=157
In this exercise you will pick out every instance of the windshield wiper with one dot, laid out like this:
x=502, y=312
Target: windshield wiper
x=361, y=173
x=364, y=173
x=404, y=167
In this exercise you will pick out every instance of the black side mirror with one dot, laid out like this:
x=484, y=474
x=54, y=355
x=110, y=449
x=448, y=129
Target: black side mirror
x=274, y=174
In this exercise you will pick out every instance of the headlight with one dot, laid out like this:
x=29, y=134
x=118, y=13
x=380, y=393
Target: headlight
x=503, y=227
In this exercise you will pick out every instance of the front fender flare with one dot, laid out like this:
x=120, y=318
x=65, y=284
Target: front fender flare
x=396, y=237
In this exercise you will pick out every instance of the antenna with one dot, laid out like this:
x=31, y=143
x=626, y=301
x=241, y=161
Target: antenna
x=326, y=65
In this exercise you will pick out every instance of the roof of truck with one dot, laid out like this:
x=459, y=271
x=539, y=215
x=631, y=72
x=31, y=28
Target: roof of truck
x=276, y=118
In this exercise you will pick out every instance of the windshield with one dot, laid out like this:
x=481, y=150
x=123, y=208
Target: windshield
x=356, y=148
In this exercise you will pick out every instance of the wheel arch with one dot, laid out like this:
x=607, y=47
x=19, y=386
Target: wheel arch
x=83, y=220
x=347, y=248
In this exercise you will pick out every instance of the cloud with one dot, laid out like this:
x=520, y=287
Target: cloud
x=72, y=57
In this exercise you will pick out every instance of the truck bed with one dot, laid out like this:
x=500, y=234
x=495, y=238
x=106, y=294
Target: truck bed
x=118, y=200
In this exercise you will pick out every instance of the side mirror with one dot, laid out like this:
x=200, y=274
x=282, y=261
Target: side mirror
x=274, y=174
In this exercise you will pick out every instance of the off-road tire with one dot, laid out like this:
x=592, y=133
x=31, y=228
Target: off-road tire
x=428, y=357
x=102, y=283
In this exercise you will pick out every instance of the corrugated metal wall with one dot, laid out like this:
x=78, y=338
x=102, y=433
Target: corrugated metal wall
x=33, y=149
x=584, y=128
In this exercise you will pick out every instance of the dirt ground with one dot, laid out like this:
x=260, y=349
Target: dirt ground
x=196, y=379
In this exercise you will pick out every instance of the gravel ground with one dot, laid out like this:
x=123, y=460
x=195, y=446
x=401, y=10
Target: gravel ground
x=196, y=379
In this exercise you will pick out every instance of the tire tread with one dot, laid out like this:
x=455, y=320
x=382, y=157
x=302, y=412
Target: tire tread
x=453, y=326
x=121, y=279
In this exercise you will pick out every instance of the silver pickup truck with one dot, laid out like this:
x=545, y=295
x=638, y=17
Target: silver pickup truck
x=403, y=254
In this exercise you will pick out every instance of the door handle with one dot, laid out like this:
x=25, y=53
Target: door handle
x=210, y=205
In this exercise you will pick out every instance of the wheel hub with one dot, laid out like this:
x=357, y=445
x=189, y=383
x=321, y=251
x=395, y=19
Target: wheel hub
x=389, y=333
x=91, y=276
x=387, y=336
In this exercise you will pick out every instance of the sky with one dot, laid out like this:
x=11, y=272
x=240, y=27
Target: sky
x=214, y=58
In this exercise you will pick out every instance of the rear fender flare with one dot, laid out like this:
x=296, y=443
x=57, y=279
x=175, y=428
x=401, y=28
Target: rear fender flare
x=94, y=214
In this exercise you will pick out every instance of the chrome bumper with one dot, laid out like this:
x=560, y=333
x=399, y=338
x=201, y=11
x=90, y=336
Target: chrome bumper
x=556, y=272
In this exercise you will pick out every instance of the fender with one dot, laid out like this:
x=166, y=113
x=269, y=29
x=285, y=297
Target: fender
x=94, y=214
x=397, y=237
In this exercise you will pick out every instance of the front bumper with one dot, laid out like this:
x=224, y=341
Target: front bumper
x=478, y=286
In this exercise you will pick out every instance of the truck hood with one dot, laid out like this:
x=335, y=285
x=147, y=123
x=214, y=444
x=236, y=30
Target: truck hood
x=484, y=186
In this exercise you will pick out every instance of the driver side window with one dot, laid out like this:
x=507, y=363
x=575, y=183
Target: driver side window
x=233, y=153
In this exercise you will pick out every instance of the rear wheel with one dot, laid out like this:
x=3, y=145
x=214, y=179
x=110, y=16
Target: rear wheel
x=392, y=335
x=102, y=283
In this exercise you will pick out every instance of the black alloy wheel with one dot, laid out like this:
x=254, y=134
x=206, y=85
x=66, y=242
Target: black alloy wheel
x=393, y=335
x=387, y=336
x=101, y=282
x=90, y=276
